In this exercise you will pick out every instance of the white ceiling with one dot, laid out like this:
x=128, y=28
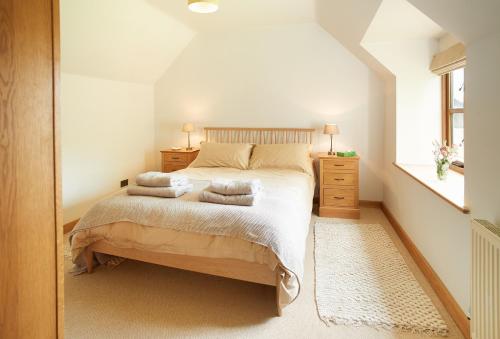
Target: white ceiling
x=126, y=40
x=240, y=14
x=136, y=40
x=465, y=19
x=347, y=21
x=398, y=20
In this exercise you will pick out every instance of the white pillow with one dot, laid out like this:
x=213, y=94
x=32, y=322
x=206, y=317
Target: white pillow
x=283, y=156
x=223, y=155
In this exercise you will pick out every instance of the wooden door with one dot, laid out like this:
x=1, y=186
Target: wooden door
x=30, y=280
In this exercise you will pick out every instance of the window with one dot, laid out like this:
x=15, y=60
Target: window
x=453, y=113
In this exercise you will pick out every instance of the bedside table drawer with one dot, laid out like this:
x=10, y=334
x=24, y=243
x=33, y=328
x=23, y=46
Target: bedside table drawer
x=339, y=197
x=174, y=160
x=340, y=179
x=339, y=165
x=176, y=157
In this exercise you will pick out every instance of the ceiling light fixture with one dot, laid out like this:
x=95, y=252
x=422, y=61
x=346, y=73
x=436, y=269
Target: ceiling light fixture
x=203, y=6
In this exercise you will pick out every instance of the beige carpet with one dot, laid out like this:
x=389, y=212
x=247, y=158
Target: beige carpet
x=137, y=300
x=362, y=279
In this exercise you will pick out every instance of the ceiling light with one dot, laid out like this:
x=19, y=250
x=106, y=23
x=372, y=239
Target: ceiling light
x=203, y=6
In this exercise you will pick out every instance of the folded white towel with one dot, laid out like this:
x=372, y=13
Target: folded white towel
x=160, y=179
x=235, y=187
x=215, y=198
x=162, y=192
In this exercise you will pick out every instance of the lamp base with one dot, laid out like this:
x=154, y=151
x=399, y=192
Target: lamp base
x=189, y=148
x=331, y=152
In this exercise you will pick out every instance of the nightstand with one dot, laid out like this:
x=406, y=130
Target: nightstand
x=339, y=186
x=174, y=160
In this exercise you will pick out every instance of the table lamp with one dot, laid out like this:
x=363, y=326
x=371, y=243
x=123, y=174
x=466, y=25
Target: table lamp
x=331, y=129
x=188, y=128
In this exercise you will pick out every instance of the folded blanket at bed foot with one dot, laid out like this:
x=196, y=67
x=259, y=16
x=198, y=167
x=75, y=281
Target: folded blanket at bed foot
x=235, y=187
x=162, y=192
x=160, y=179
x=241, y=199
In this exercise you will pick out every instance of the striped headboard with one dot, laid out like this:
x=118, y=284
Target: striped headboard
x=259, y=135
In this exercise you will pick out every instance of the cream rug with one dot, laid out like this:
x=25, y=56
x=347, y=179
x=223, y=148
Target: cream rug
x=362, y=279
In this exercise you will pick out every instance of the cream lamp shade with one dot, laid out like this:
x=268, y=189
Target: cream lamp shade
x=331, y=129
x=188, y=127
x=203, y=6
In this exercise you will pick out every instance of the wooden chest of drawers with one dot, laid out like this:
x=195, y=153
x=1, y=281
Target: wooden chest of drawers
x=339, y=187
x=174, y=160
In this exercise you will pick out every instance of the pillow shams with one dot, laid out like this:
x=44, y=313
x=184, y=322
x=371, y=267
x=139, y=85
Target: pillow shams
x=223, y=155
x=283, y=156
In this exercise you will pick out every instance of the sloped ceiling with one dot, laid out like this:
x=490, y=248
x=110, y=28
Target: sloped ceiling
x=398, y=20
x=467, y=20
x=136, y=40
x=240, y=14
x=347, y=21
x=127, y=40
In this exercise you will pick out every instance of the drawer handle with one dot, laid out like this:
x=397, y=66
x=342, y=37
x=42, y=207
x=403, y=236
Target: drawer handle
x=339, y=198
x=175, y=158
x=337, y=165
x=339, y=179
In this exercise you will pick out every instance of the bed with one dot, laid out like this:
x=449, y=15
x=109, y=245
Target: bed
x=262, y=244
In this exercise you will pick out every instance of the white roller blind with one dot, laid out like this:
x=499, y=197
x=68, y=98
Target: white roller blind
x=449, y=59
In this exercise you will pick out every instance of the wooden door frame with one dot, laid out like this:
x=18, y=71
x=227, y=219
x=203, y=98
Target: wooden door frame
x=56, y=62
x=31, y=241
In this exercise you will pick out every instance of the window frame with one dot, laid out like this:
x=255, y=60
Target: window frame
x=447, y=113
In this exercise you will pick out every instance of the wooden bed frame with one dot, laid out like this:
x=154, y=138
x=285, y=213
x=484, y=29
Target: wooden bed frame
x=229, y=268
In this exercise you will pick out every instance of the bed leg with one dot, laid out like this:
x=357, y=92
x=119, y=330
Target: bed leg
x=278, y=283
x=89, y=259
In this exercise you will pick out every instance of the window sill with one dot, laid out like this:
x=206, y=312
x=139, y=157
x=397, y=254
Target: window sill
x=451, y=190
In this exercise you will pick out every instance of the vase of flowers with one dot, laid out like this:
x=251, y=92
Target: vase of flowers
x=443, y=156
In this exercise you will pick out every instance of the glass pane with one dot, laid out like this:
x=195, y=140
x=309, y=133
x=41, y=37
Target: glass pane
x=457, y=87
x=457, y=133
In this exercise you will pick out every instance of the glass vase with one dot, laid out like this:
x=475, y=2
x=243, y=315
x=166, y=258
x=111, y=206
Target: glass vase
x=442, y=170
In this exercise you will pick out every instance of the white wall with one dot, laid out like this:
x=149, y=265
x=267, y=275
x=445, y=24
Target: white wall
x=482, y=121
x=286, y=76
x=412, y=122
x=446, y=41
x=107, y=135
x=418, y=100
x=441, y=232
